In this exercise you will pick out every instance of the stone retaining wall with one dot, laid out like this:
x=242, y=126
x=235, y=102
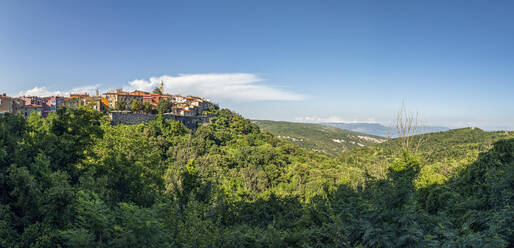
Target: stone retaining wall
x=191, y=122
x=128, y=118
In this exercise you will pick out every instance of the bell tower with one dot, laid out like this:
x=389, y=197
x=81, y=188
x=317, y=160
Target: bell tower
x=162, y=88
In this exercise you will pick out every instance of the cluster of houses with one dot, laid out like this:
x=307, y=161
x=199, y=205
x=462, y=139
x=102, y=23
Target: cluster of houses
x=27, y=104
x=180, y=105
x=110, y=101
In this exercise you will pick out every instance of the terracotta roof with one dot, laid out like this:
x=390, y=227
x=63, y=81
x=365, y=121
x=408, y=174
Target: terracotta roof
x=116, y=93
x=79, y=95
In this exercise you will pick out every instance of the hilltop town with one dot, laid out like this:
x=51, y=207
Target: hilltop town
x=136, y=102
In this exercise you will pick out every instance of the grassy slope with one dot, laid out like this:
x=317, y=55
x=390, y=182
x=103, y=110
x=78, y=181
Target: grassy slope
x=330, y=140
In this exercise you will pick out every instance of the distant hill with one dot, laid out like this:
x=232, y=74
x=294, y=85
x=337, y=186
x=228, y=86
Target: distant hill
x=379, y=129
x=443, y=153
x=316, y=137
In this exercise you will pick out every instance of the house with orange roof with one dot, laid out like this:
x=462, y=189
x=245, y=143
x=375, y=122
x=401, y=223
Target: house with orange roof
x=120, y=96
x=186, y=112
x=29, y=108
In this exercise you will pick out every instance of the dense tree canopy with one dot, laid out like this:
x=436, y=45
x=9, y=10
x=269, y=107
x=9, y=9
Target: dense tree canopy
x=147, y=108
x=136, y=106
x=75, y=180
x=164, y=107
x=120, y=105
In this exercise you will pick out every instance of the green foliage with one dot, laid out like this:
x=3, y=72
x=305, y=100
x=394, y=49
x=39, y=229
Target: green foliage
x=147, y=108
x=75, y=180
x=164, y=107
x=120, y=105
x=136, y=106
x=442, y=155
x=157, y=90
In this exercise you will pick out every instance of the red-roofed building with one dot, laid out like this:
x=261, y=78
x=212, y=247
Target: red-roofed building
x=123, y=97
x=151, y=98
x=29, y=108
x=33, y=100
x=6, y=104
x=186, y=112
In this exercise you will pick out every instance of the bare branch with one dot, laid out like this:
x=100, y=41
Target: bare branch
x=407, y=126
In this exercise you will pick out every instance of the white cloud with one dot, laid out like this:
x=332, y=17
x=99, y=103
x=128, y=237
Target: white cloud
x=43, y=91
x=216, y=86
x=40, y=91
x=331, y=119
x=222, y=86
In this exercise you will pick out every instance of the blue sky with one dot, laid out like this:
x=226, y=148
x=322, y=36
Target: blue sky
x=450, y=61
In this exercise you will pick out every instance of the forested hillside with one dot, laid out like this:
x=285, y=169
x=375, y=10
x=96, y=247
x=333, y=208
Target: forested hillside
x=74, y=180
x=319, y=138
x=441, y=154
x=381, y=130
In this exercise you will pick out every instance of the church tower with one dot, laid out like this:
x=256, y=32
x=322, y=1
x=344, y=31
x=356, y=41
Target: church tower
x=162, y=88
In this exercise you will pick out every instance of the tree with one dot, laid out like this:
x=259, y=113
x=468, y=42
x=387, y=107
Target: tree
x=147, y=108
x=164, y=107
x=74, y=180
x=136, y=106
x=12, y=129
x=157, y=91
x=120, y=105
x=66, y=135
x=407, y=126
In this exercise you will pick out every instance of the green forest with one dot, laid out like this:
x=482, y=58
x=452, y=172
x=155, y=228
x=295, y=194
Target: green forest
x=74, y=180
